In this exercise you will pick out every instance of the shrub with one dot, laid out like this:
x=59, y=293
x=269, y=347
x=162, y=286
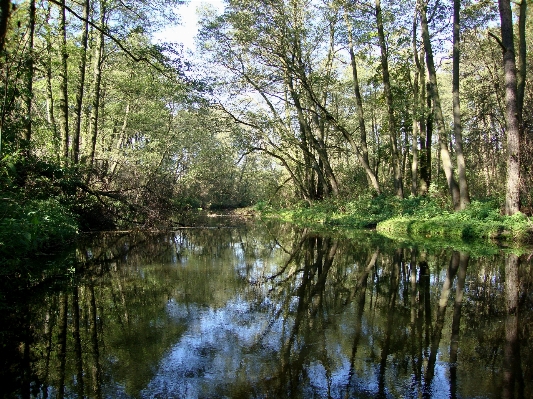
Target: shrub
x=33, y=226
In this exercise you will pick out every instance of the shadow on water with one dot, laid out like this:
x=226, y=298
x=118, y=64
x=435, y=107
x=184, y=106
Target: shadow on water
x=267, y=310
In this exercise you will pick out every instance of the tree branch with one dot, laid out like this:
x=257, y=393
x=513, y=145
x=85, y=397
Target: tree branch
x=498, y=40
x=107, y=34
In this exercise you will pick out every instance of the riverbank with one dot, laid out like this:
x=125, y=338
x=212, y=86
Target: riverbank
x=412, y=219
x=30, y=227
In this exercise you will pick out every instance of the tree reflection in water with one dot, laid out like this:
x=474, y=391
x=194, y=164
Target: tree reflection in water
x=268, y=311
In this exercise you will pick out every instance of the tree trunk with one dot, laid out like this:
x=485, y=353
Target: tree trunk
x=50, y=117
x=29, y=79
x=439, y=117
x=512, y=194
x=357, y=93
x=416, y=112
x=63, y=87
x=322, y=167
x=77, y=341
x=526, y=152
x=303, y=78
x=5, y=10
x=81, y=85
x=426, y=130
x=97, y=72
x=324, y=173
x=511, y=350
x=120, y=140
x=456, y=320
x=522, y=60
x=95, y=347
x=457, y=128
x=398, y=176
x=62, y=343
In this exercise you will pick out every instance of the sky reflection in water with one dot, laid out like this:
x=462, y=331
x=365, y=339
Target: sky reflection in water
x=274, y=311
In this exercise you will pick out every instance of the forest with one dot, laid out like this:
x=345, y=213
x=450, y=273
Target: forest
x=284, y=102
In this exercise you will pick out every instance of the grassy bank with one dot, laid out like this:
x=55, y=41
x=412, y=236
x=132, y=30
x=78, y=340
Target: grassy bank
x=414, y=219
x=31, y=227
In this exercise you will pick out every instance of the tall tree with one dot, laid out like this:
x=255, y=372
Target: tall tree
x=29, y=77
x=50, y=115
x=433, y=91
x=358, y=96
x=393, y=134
x=63, y=89
x=97, y=80
x=522, y=57
x=457, y=128
x=512, y=118
x=81, y=84
x=417, y=109
x=5, y=9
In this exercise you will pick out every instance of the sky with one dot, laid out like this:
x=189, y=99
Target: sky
x=188, y=29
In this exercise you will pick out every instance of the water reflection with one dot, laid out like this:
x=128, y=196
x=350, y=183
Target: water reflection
x=268, y=311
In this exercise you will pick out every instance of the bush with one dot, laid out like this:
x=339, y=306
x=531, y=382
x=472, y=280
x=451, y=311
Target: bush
x=33, y=226
x=414, y=218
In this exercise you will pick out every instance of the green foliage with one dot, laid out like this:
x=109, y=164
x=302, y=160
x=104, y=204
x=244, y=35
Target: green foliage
x=413, y=218
x=481, y=220
x=33, y=226
x=36, y=212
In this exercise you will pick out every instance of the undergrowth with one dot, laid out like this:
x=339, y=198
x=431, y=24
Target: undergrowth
x=414, y=218
x=34, y=226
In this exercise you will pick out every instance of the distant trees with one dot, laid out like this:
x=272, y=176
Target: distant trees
x=93, y=111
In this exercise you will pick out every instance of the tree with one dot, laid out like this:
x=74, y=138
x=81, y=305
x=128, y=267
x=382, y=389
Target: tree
x=29, y=77
x=438, y=114
x=365, y=160
x=97, y=80
x=5, y=10
x=63, y=89
x=81, y=84
x=398, y=175
x=464, y=196
x=512, y=118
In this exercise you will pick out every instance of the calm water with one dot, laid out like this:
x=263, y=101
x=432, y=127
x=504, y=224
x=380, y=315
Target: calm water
x=268, y=311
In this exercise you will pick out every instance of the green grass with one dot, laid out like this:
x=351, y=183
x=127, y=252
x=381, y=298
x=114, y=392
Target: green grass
x=479, y=221
x=414, y=219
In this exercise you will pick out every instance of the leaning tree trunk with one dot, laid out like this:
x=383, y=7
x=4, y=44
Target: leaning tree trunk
x=457, y=129
x=439, y=117
x=357, y=92
x=512, y=194
x=398, y=176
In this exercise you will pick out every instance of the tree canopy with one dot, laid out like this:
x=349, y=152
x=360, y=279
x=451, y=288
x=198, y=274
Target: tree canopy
x=283, y=101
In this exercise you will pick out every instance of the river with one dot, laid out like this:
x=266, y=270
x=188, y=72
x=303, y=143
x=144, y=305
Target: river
x=264, y=310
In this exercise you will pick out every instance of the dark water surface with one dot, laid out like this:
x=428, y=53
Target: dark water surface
x=268, y=311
